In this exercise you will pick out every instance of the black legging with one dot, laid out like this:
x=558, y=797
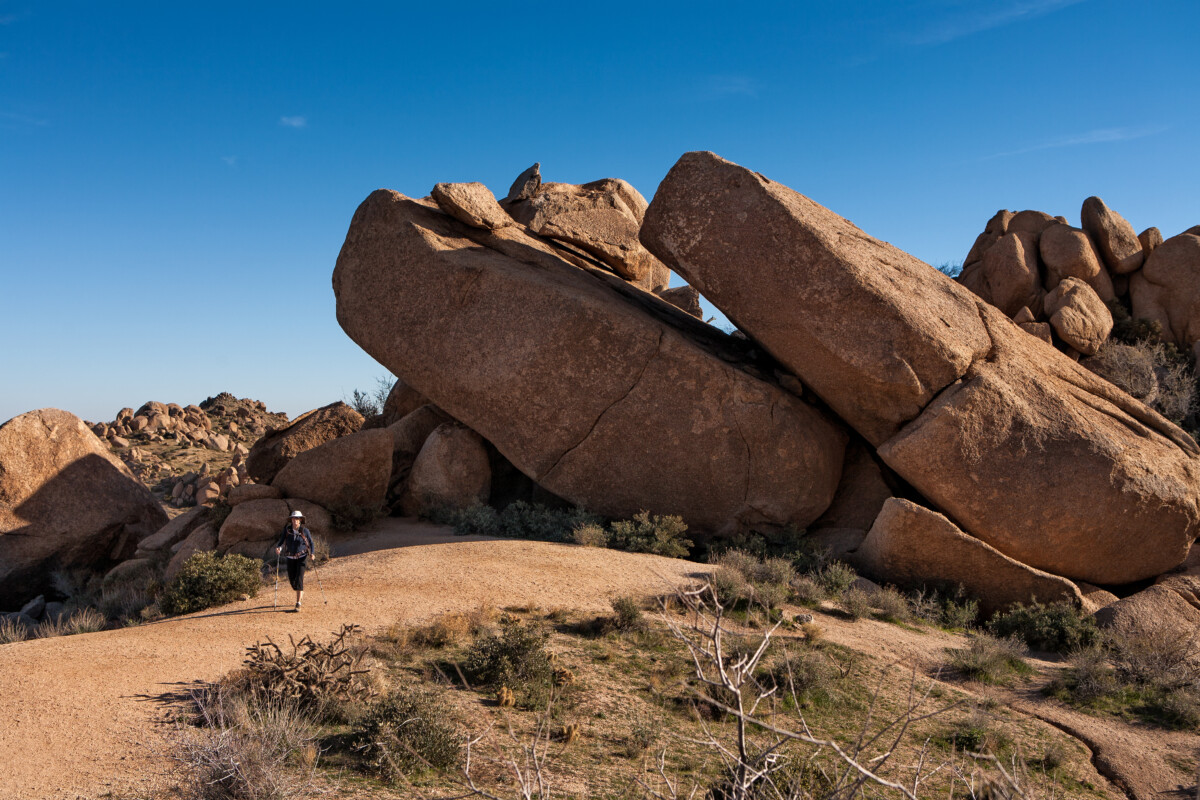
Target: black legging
x=296, y=568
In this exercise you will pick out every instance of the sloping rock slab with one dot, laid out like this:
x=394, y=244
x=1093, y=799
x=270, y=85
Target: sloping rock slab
x=585, y=382
x=1026, y=450
x=910, y=544
x=348, y=474
x=277, y=447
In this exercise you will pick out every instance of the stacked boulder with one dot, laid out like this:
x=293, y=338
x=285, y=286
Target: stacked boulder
x=1059, y=282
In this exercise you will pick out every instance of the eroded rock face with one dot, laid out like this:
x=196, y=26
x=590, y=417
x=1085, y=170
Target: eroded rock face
x=1079, y=316
x=65, y=501
x=401, y=401
x=912, y=545
x=348, y=474
x=587, y=380
x=1027, y=451
x=277, y=447
x=1068, y=253
x=450, y=471
x=602, y=218
x=1113, y=235
x=471, y=203
x=1167, y=289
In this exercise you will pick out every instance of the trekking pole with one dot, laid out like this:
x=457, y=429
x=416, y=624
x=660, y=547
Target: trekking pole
x=317, y=575
x=276, y=603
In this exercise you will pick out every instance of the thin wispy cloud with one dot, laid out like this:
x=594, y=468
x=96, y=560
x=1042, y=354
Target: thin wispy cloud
x=230, y=161
x=1098, y=136
x=731, y=85
x=985, y=16
x=11, y=121
x=294, y=122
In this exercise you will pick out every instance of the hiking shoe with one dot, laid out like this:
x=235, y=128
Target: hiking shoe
x=297, y=606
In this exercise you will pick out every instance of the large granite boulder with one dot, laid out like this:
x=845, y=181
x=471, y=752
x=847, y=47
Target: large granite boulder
x=1114, y=236
x=401, y=401
x=1023, y=448
x=348, y=475
x=912, y=545
x=1079, y=316
x=1167, y=289
x=576, y=377
x=408, y=436
x=65, y=501
x=277, y=447
x=451, y=471
x=601, y=218
x=1068, y=253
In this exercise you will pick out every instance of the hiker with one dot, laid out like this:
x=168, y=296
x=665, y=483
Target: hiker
x=296, y=543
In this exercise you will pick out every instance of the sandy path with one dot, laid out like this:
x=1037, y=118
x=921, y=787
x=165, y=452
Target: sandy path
x=81, y=715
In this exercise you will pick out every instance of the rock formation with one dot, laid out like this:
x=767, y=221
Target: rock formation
x=270, y=453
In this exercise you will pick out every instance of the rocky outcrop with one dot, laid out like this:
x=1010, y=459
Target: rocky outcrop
x=203, y=538
x=450, y=472
x=1078, y=315
x=911, y=545
x=401, y=401
x=175, y=530
x=348, y=475
x=277, y=447
x=1167, y=290
x=684, y=298
x=65, y=501
x=590, y=377
x=471, y=203
x=602, y=219
x=1114, y=236
x=408, y=436
x=1023, y=448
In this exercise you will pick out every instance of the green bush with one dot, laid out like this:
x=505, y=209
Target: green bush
x=590, y=535
x=207, y=579
x=662, y=535
x=950, y=608
x=988, y=659
x=406, y=733
x=516, y=658
x=627, y=614
x=1058, y=627
x=835, y=578
x=856, y=603
x=520, y=520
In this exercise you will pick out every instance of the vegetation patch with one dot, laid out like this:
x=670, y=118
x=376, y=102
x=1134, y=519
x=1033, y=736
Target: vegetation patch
x=207, y=579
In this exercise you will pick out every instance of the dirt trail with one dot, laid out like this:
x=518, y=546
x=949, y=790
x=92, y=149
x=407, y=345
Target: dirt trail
x=1133, y=760
x=82, y=715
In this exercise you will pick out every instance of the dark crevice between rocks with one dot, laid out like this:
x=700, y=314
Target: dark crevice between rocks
x=609, y=407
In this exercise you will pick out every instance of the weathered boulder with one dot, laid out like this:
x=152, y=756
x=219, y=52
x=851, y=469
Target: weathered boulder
x=1030, y=221
x=996, y=227
x=401, y=401
x=270, y=453
x=408, y=436
x=253, y=521
x=685, y=298
x=1068, y=253
x=65, y=501
x=1167, y=289
x=601, y=218
x=1079, y=316
x=860, y=495
x=1095, y=598
x=1114, y=237
x=203, y=538
x=348, y=475
x=1023, y=448
x=252, y=491
x=911, y=545
x=590, y=377
x=451, y=471
x=471, y=203
x=526, y=184
x=1038, y=330
x=1150, y=239
x=174, y=531
x=128, y=571
x=1010, y=273
x=35, y=607
x=1156, y=611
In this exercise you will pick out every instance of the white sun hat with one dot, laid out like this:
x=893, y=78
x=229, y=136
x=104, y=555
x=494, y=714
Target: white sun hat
x=296, y=514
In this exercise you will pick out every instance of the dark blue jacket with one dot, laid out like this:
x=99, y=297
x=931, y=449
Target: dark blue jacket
x=295, y=544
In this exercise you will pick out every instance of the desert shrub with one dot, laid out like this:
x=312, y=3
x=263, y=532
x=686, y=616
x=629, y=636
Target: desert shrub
x=642, y=737
x=590, y=535
x=743, y=578
x=807, y=674
x=989, y=659
x=126, y=600
x=1150, y=370
x=82, y=620
x=1180, y=708
x=218, y=513
x=245, y=750
x=950, y=608
x=856, y=603
x=892, y=605
x=835, y=578
x=977, y=733
x=207, y=579
x=806, y=590
x=406, y=732
x=1058, y=627
x=1088, y=678
x=521, y=520
x=809, y=556
x=516, y=657
x=12, y=631
x=646, y=533
x=1157, y=657
x=627, y=614
x=785, y=543
x=476, y=520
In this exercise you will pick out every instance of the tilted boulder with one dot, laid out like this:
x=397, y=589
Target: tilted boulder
x=1167, y=289
x=401, y=401
x=684, y=298
x=252, y=491
x=1079, y=316
x=172, y=532
x=451, y=471
x=408, y=436
x=590, y=377
x=601, y=218
x=911, y=545
x=1150, y=239
x=471, y=203
x=1068, y=253
x=1114, y=236
x=65, y=501
x=277, y=447
x=202, y=539
x=348, y=475
x=1026, y=450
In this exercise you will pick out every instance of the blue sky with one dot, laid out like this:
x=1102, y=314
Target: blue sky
x=176, y=179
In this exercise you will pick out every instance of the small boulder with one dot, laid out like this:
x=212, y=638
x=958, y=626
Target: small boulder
x=252, y=521
x=1030, y=221
x=408, y=436
x=277, y=447
x=174, y=531
x=128, y=571
x=1150, y=239
x=1079, y=316
x=401, y=401
x=1156, y=610
x=860, y=495
x=1068, y=253
x=1011, y=273
x=451, y=471
x=35, y=607
x=685, y=298
x=1114, y=237
x=910, y=544
x=1095, y=598
x=526, y=185
x=208, y=493
x=348, y=474
x=203, y=538
x=471, y=203
x=252, y=491
x=1167, y=289
x=1038, y=330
